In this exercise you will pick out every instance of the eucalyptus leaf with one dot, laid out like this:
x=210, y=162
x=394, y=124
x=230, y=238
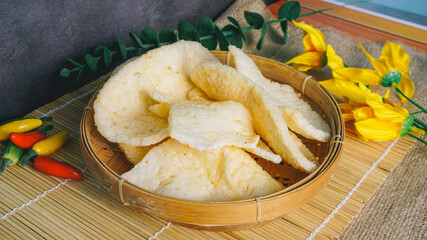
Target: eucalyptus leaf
x=149, y=36
x=123, y=50
x=206, y=30
x=75, y=63
x=261, y=40
x=99, y=50
x=167, y=36
x=92, y=62
x=187, y=32
x=254, y=19
x=136, y=39
x=108, y=56
x=65, y=72
x=237, y=25
x=284, y=26
x=222, y=40
x=234, y=38
x=289, y=10
x=205, y=26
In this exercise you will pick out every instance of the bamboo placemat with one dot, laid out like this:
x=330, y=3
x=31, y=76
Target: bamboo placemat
x=34, y=205
x=37, y=206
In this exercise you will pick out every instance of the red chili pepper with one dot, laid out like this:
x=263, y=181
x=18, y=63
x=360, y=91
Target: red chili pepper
x=56, y=168
x=27, y=140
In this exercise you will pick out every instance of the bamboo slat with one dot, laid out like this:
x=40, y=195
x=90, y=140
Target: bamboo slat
x=37, y=206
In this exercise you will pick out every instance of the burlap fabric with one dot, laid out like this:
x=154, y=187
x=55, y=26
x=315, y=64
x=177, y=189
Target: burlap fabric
x=398, y=209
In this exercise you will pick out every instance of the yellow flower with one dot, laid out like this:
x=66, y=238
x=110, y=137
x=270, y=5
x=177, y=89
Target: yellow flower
x=390, y=70
x=382, y=120
x=315, y=48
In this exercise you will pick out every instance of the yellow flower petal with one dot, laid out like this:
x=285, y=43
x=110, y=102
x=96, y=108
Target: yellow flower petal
x=417, y=130
x=317, y=38
x=330, y=86
x=334, y=61
x=394, y=55
x=375, y=129
x=386, y=111
x=350, y=91
x=345, y=107
x=306, y=61
x=363, y=113
x=347, y=117
x=407, y=87
x=380, y=66
x=308, y=43
x=365, y=76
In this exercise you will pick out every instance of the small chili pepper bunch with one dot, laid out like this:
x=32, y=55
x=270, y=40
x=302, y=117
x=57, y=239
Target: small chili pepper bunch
x=37, y=145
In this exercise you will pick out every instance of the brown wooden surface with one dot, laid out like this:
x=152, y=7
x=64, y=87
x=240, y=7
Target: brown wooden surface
x=358, y=25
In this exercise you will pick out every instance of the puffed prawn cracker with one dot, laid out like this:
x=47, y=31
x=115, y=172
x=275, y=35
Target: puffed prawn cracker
x=134, y=154
x=298, y=114
x=262, y=150
x=225, y=83
x=174, y=169
x=196, y=94
x=122, y=106
x=206, y=125
x=160, y=110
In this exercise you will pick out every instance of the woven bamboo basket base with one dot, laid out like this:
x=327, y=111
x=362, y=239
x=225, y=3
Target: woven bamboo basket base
x=38, y=206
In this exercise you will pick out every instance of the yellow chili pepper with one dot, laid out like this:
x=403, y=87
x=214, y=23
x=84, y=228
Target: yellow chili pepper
x=19, y=126
x=46, y=146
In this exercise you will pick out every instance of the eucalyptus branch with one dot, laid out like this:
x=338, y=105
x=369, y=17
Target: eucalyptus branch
x=205, y=32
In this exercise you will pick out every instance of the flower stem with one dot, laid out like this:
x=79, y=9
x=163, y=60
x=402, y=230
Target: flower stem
x=419, y=126
x=418, y=121
x=419, y=139
x=415, y=113
x=410, y=100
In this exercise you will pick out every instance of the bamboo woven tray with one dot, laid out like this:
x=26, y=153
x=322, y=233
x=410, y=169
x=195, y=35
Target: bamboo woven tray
x=106, y=163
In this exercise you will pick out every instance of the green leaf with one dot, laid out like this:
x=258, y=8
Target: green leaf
x=65, y=72
x=234, y=38
x=187, y=32
x=289, y=10
x=98, y=49
x=254, y=19
x=166, y=36
x=237, y=25
x=284, y=26
x=149, y=36
x=222, y=40
x=75, y=63
x=92, y=62
x=206, y=29
x=136, y=39
x=205, y=26
x=261, y=40
x=123, y=50
x=108, y=57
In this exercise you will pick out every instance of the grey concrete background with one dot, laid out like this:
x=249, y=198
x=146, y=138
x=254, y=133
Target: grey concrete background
x=37, y=38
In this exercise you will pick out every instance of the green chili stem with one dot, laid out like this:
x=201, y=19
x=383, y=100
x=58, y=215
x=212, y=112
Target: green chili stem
x=410, y=100
x=419, y=139
x=4, y=163
x=45, y=129
x=46, y=118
